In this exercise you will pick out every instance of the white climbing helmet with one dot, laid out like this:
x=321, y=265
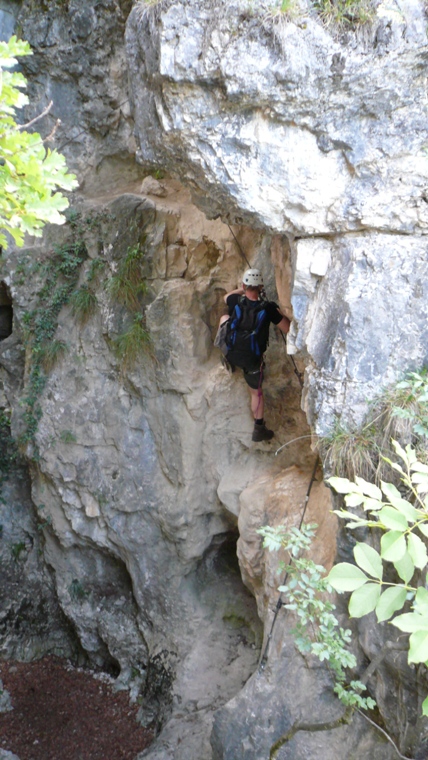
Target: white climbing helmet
x=253, y=277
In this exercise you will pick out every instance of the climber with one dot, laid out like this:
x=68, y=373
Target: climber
x=247, y=335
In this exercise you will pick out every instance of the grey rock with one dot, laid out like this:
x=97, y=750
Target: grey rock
x=5, y=700
x=318, y=142
x=291, y=128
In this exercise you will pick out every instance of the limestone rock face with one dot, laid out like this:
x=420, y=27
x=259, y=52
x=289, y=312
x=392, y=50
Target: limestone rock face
x=31, y=621
x=143, y=474
x=135, y=465
x=322, y=136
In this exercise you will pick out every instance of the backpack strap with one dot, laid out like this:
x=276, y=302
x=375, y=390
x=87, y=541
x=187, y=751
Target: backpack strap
x=234, y=323
x=260, y=318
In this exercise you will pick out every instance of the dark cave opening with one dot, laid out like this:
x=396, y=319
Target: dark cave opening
x=6, y=312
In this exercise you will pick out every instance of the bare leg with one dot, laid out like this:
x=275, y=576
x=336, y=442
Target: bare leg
x=257, y=403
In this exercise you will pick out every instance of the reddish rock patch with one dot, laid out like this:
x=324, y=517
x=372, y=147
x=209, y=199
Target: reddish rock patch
x=61, y=712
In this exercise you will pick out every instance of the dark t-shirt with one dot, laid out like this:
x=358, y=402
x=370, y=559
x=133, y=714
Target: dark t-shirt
x=244, y=358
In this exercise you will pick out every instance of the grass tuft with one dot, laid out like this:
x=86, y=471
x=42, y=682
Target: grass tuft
x=127, y=285
x=344, y=14
x=350, y=453
x=400, y=413
x=52, y=353
x=67, y=436
x=83, y=303
x=133, y=344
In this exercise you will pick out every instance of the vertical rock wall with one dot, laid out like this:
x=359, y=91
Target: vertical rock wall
x=137, y=469
x=313, y=146
x=318, y=135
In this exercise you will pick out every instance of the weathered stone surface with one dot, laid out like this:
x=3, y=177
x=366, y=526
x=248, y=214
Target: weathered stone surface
x=284, y=123
x=292, y=128
x=5, y=700
x=279, y=499
x=79, y=63
x=321, y=136
x=144, y=472
x=31, y=622
x=290, y=691
x=129, y=462
x=363, y=324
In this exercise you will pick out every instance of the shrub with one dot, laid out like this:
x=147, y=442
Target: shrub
x=403, y=524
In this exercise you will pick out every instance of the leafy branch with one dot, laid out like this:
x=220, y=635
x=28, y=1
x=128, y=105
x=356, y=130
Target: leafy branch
x=30, y=175
x=317, y=630
x=404, y=526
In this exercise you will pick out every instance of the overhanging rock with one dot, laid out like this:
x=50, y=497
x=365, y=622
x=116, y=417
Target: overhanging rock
x=319, y=136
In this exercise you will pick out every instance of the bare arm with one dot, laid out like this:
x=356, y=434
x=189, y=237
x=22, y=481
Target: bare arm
x=284, y=325
x=239, y=291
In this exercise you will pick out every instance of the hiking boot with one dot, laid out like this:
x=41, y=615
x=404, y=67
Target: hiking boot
x=261, y=433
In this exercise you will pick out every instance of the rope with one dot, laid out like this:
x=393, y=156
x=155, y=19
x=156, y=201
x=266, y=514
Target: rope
x=280, y=603
x=239, y=246
x=299, y=375
x=291, y=357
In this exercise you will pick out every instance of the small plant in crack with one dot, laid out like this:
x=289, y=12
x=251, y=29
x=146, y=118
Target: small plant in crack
x=77, y=591
x=17, y=549
x=67, y=436
x=83, y=303
x=133, y=344
x=127, y=285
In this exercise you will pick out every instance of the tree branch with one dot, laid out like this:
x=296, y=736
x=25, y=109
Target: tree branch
x=36, y=118
x=326, y=726
x=346, y=716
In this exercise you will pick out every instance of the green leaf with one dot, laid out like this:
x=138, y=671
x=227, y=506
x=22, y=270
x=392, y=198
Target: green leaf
x=400, y=451
x=29, y=175
x=417, y=550
x=345, y=515
x=354, y=499
x=391, y=600
x=423, y=527
x=389, y=490
x=364, y=599
x=425, y=706
x=418, y=647
x=346, y=577
x=393, y=519
x=372, y=504
x=405, y=567
x=421, y=601
x=411, y=454
x=392, y=546
x=402, y=505
x=369, y=560
x=369, y=489
x=419, y=467
x=410, y=622
x=341, y=485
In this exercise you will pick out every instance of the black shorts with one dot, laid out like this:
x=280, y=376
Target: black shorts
x=252, y=367
x=254, y=377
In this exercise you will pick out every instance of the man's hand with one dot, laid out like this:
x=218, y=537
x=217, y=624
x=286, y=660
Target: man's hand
x=238, y=291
